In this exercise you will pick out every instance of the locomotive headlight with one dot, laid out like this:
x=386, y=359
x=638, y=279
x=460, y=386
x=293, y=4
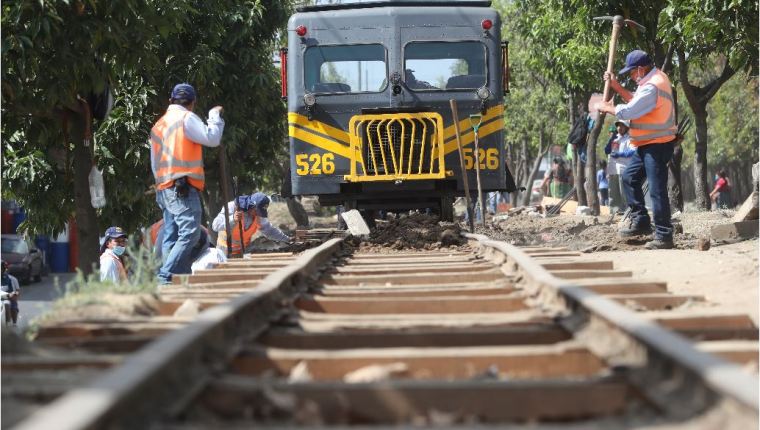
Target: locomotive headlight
x=484, y=93
x=309, y=99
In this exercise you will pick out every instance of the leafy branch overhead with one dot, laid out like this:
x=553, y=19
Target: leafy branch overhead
x=56, y=50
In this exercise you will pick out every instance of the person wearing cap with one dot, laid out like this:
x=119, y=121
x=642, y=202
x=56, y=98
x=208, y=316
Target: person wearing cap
x=651, y=113
x=9, y=294
x=177, y=142
x=252, y=211
x=112, y=256
x=620, y=151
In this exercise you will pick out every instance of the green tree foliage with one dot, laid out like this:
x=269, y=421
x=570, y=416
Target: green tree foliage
x=535, y=110
x=700, y=31
x=56, y=50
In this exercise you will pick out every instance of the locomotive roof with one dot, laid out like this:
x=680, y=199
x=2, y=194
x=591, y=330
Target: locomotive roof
x=385, y=3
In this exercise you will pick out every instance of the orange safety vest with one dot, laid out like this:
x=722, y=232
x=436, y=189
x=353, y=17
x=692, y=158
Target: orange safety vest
x=237, y=244
x=173, y=155
x=154, y=229
x=657, y=125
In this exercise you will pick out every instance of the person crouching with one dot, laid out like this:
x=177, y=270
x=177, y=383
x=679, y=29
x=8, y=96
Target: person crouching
x=252, y=212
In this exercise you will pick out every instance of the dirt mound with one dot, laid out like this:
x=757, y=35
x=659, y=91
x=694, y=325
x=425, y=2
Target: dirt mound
x=418, y=231
x=586, y=233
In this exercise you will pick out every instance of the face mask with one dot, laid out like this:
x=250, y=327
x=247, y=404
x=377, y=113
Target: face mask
x=119, y=250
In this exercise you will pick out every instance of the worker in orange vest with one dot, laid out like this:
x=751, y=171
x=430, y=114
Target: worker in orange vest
x=252, y=211
x=651, y=112
x=177, y=142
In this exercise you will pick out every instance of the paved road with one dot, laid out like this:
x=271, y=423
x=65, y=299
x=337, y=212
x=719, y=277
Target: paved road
x=37, y=297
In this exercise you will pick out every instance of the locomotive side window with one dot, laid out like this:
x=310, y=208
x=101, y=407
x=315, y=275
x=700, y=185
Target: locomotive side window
x=445, y=65
x=345, y=68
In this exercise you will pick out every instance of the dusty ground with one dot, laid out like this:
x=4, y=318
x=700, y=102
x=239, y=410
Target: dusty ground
x=727, y=275
x=416, y=231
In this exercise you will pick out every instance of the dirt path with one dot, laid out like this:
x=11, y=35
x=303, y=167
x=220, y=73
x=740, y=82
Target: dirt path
x=726, y=275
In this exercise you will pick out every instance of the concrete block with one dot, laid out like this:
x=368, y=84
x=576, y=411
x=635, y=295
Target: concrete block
x=734, y=232
x=355, y=223
x=748, y=210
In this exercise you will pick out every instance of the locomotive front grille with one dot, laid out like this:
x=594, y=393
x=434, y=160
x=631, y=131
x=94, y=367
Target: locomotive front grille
x=396, y=147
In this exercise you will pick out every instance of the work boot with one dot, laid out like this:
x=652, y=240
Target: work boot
x=659, y=244
x=632, y=231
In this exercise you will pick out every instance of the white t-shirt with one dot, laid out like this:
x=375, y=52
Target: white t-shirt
x=616, y=166
x=208, y=259
x=109, y=267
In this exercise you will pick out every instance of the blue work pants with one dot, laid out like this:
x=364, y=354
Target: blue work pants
x=650, y=162
x=182, y=229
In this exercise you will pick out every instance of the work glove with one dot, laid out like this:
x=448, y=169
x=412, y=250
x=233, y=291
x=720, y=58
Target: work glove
x=614, y=154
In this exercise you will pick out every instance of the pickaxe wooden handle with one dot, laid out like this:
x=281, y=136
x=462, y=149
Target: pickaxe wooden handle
x=617, y=23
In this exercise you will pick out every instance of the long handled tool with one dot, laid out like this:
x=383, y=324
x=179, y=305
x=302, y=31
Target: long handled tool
x=475, y=120
x=235, y=190
x=455, y=117
x=225, y=196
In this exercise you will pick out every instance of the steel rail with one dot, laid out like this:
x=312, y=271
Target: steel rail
x=157, y=377
x=658, y=350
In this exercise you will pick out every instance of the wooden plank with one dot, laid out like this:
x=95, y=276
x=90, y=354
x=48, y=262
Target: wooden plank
x=623, y=286
x=655, y=301
x=575, y=265
x=711, y=327
x=216, y=278
x=415, y=292
x=108, y=344
x=399, y=402
x=112, y=329
x=744, y=352
x=419, y=278
x=581, y=274
x=17, y=363
x=528, y=334
x=408, y=305
x=395, y=269
x=543, y=361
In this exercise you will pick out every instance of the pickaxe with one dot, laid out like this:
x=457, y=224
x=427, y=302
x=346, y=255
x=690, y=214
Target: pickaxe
x=617, y=22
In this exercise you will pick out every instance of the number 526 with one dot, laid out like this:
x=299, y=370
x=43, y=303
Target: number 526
x=315, y=164
x=487, y=159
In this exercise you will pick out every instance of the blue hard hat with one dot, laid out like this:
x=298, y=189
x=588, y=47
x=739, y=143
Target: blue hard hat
x=114, y=232
x=635, y=59
x=258, y=201
x=183, y=91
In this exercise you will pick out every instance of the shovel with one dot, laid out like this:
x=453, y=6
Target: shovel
x=475, y=120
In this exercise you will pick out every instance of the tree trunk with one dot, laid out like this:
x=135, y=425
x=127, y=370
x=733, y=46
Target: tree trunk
x=87, y=229
x=592, y=198
x=701, y=188
x=675, y=194
x=580, y=178
x=543, y=148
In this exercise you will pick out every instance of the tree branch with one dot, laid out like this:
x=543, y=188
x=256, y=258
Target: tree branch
x=715, y=85
x=689, y=90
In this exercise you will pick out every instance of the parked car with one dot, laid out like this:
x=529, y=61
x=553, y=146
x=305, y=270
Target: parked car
x=23, y=258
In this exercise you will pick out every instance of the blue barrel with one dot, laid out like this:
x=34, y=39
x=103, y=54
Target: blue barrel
x=59, y=257
x=18, y=218
x=43, y=244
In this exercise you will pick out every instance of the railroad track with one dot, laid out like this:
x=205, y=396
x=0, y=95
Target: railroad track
x=337, y=337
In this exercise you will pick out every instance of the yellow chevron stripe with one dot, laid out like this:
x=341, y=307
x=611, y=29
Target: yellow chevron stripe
x=464, y=124
x=319, y=127
x=319, y=141
x=469, y=138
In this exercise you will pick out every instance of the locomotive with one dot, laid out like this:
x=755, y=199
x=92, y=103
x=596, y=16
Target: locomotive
x=368, y=88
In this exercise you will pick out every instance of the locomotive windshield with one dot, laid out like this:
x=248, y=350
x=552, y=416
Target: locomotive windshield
x=445, y=65
x=345, y=68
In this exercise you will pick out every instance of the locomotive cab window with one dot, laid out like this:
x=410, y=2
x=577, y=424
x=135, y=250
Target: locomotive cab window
x=345, y=69
x=445, y=65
